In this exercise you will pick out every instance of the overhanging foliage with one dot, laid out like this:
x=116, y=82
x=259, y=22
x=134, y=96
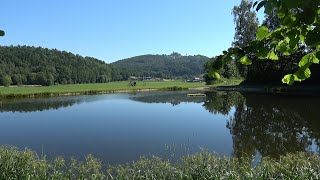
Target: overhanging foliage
x=299, y=27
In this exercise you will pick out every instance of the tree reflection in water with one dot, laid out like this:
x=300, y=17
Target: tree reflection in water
x=271, y=125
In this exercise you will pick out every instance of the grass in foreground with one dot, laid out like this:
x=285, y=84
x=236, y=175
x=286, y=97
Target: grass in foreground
x=28, y=91
x=26, y=164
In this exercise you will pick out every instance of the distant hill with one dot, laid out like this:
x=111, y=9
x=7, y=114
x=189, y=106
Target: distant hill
x=41, y=66
x=28, y=65
x=163, y=66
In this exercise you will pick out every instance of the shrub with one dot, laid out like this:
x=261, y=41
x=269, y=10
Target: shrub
x=26, y=164
x=6, y=80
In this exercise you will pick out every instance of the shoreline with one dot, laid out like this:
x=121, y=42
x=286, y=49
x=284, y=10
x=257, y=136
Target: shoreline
x=93, y=92
x=103, y=88
x=313, y=90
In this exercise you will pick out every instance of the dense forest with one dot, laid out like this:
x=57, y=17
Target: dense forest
x=25, y=65
x=163, y=66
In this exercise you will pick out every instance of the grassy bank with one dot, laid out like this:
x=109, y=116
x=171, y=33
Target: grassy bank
x=29, y=91
x=26, y=164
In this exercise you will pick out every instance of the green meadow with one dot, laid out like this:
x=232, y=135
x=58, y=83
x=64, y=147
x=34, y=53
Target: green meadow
x=72, y=89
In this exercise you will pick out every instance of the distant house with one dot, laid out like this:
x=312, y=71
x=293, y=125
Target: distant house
x=133, y=78
x=196, y=79
x=151, y=79
x=147, y=78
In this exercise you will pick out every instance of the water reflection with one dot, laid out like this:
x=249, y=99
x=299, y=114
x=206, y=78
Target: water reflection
x=172, y=97
x=41, y=104
x=274, y=125
x=112, y=125
x=263, y=124
x=219, y=102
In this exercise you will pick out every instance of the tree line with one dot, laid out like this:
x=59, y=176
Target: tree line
x=170, y=66
x=25, y=65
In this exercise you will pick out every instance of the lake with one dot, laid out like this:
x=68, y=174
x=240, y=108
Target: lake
x=118, y=128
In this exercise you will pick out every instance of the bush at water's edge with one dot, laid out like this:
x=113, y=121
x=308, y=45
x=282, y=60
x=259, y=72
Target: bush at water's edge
x=26, y=164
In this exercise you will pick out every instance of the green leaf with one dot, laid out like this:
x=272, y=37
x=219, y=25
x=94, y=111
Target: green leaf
x=262, y=32
x=318, y=55
x=245, y=60
x=307, y=73
x=309, y=28
x=268, y=9
x=217, y=64
x=228, y=57
x=273, y=44
x=262, y=3
x=2, y=33
x=288, y=20
x=288, y=79
x=214, y=75
x=302, y=74
x=283, y=48
x=263, y=53
x=303, y=34
x=281, y=14
x=278, y=33
x=306, y=60
x=273, y=56
x=302, y=38
x=313, y=38
x=293, y=36
x=290, y=3
x=315, y=60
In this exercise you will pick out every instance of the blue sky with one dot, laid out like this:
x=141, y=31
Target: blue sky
x=111, y=30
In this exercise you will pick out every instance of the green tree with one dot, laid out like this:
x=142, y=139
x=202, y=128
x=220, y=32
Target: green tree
x=247, y=23
x=272, y=21
x=32, y=78
x=6, y=80
x=52, y=66
x=174, y=65
x=49, y=79
x=210, y=75
x=41, y=79
x=18, y=79
x=230, y=70
x=300, y=22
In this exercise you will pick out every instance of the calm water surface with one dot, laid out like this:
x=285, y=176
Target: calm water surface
x=119, y=128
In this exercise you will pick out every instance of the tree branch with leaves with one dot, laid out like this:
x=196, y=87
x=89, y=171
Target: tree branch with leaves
x=299, y=26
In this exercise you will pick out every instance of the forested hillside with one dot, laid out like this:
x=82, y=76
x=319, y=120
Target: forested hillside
x=25, y=65
x=163, y=66
x=41, y=66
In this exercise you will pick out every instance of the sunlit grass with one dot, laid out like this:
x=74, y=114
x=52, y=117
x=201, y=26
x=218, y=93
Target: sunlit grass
x=25, y=91
x=26, y=164
x=227, y=82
